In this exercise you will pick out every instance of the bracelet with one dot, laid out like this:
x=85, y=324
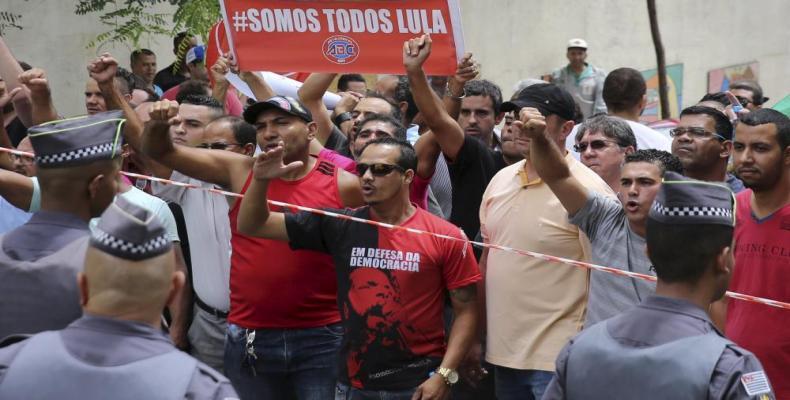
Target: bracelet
x=342, y=117
x=449, y=93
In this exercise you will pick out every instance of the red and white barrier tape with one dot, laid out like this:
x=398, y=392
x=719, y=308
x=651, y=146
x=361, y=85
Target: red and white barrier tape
x=546, y=257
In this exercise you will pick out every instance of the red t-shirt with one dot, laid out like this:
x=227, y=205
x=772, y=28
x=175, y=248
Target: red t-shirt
x=762, y=268
x=391, y=291
x=232, y=103
x=418, y=190
x=274, y=287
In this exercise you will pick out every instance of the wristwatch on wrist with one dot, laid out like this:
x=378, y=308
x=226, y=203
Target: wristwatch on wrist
x=449, y=93
x=342, y=117
x=450, y=375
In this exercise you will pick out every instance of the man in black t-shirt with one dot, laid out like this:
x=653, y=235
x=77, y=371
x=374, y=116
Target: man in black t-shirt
x=177, y=72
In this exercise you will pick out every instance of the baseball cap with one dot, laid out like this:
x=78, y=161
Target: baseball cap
x=283, y=103
x=196, y=54
x=577, y=43
x=548, y=98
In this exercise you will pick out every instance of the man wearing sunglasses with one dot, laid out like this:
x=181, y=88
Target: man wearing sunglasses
x=749, y=94
x=391, y=283
x=703, y=143
x=603, y=142
x=230, y=133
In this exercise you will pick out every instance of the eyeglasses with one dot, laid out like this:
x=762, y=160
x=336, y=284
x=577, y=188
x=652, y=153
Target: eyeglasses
x=743, y=100
x=378, y=169
x=597, y=144
x=21, y=158
x=217, y=145
x=695, y=133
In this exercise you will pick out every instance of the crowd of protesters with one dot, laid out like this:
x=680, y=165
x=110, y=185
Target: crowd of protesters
x=125, y=286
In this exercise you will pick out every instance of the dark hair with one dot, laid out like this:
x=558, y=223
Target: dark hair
x=180, y=37
x=400, y=131
x=623, y=89
x=611, y=127
x=206, y=101
x=139, y=53
x=192, y=87
x=407, y=158
x=723, y=124
x=403, y=94
x=752, y=86
x=682, y=253
x=243, y=132
x=394, y=109
x=485, y=88
x=768, y=116
x=718, y=97
x=342, y=82
x=25, y=66
x=665, y=161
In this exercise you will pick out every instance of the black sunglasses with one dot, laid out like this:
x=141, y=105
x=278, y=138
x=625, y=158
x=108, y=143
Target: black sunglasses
x=378, y=169
x=597, y=144
x=217, y=145
x=744, y=101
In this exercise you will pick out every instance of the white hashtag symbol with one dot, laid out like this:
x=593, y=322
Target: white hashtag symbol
x=240, y=21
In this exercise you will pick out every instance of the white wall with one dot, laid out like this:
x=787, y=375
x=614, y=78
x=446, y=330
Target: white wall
x=513, y=39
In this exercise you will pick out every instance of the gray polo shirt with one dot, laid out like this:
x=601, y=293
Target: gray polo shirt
x=614, y=245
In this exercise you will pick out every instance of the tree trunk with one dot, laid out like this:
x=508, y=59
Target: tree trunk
x=662, y=65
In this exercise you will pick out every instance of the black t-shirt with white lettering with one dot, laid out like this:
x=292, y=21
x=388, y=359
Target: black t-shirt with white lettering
x=391, y=289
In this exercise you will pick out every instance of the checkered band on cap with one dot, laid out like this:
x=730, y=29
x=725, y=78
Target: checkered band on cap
x=692, y=211
x=128, y=250
x=104, y=150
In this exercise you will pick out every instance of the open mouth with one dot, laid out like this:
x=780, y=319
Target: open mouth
x=368, y=190
x=632, y=206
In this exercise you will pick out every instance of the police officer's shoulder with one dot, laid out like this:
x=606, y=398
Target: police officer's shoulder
x=212, y=384
x=741, y=375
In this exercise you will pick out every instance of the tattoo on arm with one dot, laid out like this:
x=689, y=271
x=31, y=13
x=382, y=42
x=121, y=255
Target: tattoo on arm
x=464, y=294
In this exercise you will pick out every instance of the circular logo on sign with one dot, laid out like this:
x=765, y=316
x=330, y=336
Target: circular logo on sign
x=341, y=49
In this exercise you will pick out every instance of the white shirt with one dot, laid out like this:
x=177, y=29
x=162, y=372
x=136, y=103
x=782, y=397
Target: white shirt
x=646, y=138
x=208, y=231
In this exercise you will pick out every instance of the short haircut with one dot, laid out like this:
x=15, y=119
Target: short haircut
x=752, y=86
x=400, y=131
x=768, y=116
x=403, y=94
x=718, y=97
x=485, y=88
x=205, y=101
x=342, y=82
x=243, y=132
x=394, y=109
x=723, y=124
x=192, y=87
x=407, y=158
x=137, y=54
x=623, y=89
x=682, y=253
x=664, y=160
x=612, y=127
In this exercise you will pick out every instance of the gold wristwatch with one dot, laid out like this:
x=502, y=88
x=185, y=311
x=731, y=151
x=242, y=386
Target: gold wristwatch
x=450, y=375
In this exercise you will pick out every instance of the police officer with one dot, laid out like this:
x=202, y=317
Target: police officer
x=667, y=347
x=117, y=349
x=78, y=162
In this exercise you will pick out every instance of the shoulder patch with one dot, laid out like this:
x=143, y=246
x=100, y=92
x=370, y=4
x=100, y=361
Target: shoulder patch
x=755, y=383
x=326, y=168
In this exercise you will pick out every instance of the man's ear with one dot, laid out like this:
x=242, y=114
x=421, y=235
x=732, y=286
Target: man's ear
x=249, y=149
x=94, y=186
x=176, y=286
x=312, y=128
x=723, y=263
x=82, y=284
x=408, y=176
x=726, y=149
x=498, y=118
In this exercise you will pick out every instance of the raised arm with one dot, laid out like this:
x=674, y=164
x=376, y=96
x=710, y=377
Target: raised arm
x=448, y=133
x=467, y=70
x=312, y=96
x=35, y=80
x=17, y=189
x=9, y=72
x=6, y=162
x=103, y=70
x=255, y=219
x=223, y=168
x=548, y=160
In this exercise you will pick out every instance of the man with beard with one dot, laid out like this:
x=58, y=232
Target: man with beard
x=388, y=279
x=761, y=154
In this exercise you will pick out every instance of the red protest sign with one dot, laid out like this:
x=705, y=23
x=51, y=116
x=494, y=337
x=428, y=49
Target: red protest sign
x=364, y=36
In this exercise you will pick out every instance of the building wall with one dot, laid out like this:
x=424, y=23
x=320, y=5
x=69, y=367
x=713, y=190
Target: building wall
x=513, y=39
